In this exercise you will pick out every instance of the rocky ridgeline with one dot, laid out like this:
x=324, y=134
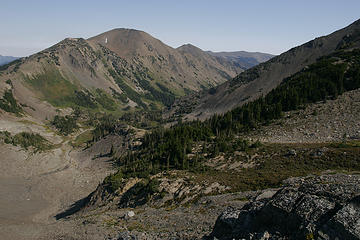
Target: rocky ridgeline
x=324, y=207
x=160, y=191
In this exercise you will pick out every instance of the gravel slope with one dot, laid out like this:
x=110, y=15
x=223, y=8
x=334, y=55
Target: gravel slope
x=36, y=187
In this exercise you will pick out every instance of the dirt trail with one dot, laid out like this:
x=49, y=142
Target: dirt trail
x=36, y=187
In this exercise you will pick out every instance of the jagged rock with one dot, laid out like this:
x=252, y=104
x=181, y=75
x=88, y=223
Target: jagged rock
x=161, y=190
x=129, y=214
x=325, y=207
x=266, y=194
x=345, y=222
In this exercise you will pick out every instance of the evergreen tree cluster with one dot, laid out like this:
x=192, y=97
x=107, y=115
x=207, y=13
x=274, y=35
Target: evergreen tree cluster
x=8, y=103
x=166, y=98
x=165, y=149
x=104, y=125
x=65, y=124
x=26, y=140
x=83, y=99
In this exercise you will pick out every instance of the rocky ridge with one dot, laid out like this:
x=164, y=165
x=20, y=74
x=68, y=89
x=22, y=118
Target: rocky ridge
x=161, y=190
x=315, y=207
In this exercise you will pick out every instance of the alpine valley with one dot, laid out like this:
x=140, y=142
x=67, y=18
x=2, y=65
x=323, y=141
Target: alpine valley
x=120, y=136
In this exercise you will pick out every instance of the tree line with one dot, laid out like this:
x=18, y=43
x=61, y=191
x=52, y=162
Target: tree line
x=165, y=149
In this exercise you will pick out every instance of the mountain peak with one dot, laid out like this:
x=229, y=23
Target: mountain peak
x=187, y=45
x=123, y=32
x=189, y=48
x=127, y=42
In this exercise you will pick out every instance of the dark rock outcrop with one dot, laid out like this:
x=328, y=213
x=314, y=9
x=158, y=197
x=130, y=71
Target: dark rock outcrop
x=324, y=207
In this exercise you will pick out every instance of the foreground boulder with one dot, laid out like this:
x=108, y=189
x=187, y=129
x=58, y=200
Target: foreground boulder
x=324, y=207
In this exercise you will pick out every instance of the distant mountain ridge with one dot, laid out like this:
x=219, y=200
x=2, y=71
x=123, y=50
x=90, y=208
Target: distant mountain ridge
x=232, y=64
x=243, y=58
x=7, y=59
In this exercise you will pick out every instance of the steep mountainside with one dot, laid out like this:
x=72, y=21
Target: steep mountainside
x=115, y=72
x=262, y=78
x=6, y=59
x=192, y=69
x=242, y=58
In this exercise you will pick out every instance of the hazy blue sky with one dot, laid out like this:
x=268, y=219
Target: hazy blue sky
x=272, y=26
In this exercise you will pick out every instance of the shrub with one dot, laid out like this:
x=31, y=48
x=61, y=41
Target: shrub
x=26, y=140
x=65, y=125
x=8, y=103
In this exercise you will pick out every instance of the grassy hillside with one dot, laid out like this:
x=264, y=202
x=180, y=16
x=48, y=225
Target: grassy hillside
x=53, y=87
